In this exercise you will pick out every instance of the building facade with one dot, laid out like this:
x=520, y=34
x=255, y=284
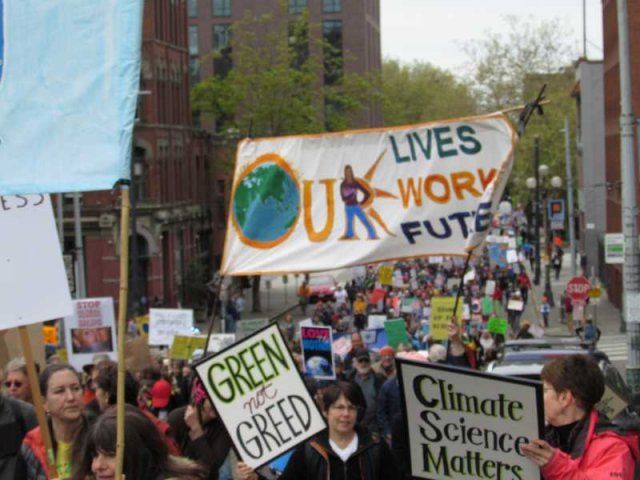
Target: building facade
x=611, y=72
x=352, y=27
x=591, y=182
x=176, y=194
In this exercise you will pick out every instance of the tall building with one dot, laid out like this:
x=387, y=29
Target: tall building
x=174, y=192
x=611, y=71
x=352, y=27
x=588, y=92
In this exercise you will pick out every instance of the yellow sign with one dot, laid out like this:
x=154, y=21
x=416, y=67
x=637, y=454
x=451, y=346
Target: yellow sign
x=50, y=335
x=595, y=293
x=62, y=353
x=183, y=346
x=441, y=312
x=385, y=275
x=142, y=325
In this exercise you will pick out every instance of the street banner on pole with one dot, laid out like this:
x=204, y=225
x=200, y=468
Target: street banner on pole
x=464, y=424
x=69, y=88
x=317, y=202
x=316, y=352
x=259, y=394
x=90, y=329
x=33, y=281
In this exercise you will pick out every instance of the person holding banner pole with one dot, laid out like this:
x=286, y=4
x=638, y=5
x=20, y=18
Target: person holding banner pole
x=579, y=442
x=344, y=451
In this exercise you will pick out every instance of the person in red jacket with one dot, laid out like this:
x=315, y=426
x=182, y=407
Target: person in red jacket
x=579, y=442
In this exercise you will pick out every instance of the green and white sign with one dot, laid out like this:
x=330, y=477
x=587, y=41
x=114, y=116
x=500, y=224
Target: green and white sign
x=256, y=389
x=614, y=248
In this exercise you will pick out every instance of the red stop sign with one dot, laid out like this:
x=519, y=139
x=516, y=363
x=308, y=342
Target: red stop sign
x=578, y=289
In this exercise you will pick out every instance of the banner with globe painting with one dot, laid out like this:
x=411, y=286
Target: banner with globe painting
x=319, y=202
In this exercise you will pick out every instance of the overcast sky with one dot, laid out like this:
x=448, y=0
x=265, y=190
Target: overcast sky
x=434, y=30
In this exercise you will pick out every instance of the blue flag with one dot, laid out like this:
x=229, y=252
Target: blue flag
x=69, y=80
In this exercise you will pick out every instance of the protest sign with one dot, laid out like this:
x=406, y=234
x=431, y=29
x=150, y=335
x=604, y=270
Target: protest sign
x=512, y=256
x=466, y=425
x=421, y=190
x=385, y=275
x=441, y=313
x=90, y=329
x=258, y=393
x=490, y=287
x=342, y=345
x=487, y=306
x=435, y=260
x=31, y=241
x=396, y=330
x=408, y=304
x=137, y=356
x=368, y=336
x=247, y=326
x=220, y=341
x=497, y=325
x=142, y=325
x=11, y=345
x=316, y=352
x=164, y=323
x=69, y=111
x=516, y=305
x=376, y=321
x=183, y=346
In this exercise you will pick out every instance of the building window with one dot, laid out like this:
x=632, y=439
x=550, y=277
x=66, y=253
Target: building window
x=222, y=62
x=297, y=6
x=192, y=8
x=193, y=40
x=333, y=62
x=221, y=8
x=331, y=6
x=194, y=70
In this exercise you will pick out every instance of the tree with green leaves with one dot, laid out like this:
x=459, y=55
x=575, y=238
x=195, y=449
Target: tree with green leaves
x=420, y=92
x=285, y=80
x=507, y=68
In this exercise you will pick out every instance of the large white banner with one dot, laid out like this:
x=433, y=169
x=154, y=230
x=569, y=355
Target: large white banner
x=308, y=203
x=260, y=397
x=464, y=424
x=90, y=329
x=33, y=281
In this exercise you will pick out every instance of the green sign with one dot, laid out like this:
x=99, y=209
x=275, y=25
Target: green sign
x=487, y=306
x=396, y=331
x=497, y=325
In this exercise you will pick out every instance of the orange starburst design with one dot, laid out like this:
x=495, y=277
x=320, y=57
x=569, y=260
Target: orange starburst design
x=375, y=193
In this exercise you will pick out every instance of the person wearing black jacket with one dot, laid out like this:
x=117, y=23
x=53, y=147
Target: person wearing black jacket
x=16, y=419
x=345, y=451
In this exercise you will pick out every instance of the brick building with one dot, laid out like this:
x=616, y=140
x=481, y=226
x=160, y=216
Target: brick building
x=178, y=202
x=352, y=27
x=611, y=71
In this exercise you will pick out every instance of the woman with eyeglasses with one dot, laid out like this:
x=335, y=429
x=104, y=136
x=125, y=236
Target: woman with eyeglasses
x=62, y=394
x=344, y=451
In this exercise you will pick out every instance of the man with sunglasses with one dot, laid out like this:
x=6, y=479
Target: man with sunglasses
x=17, y=381
x=370, y=383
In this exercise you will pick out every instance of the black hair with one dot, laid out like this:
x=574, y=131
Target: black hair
x=350, y=391
x=48, y=372
x=107, y=381
x=146, y=454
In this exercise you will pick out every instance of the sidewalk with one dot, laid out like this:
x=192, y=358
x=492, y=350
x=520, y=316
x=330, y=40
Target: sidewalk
x=605, y=315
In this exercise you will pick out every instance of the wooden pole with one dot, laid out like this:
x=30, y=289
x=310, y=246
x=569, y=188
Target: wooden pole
x=122, y=326
x=464, y=270
x=36, y=394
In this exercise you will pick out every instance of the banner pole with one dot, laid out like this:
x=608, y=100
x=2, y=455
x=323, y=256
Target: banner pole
x=122, y=326
x=464, y=271
x=50, y=456
x=216, y=309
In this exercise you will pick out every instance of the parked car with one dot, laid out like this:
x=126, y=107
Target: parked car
x=525, y=359
x=322, y=287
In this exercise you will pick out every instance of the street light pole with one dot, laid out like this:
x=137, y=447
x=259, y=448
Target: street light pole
x=536, y=233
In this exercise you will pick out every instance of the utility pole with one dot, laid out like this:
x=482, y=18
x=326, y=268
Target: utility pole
x=631, y=278
x=536, y=233
x=572, y=232
x=81, y=286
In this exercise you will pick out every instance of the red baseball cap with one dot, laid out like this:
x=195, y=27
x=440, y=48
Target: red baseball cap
x=160, y=393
